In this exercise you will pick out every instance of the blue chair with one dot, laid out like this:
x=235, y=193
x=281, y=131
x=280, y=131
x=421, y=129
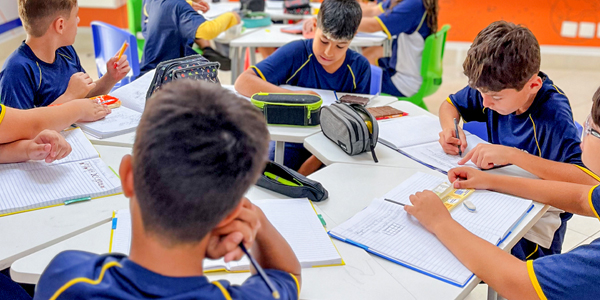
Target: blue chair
x=477, y=128
x=376, y=78
x=108, y=40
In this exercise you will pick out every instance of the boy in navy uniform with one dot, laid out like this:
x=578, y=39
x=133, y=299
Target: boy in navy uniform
x=573, y=275
x=198, y=149
x=324, y=62
x=529, y=122
x=45, y=69
x=171, y=28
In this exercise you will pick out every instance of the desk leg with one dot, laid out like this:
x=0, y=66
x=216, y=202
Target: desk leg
x=492, y=295
x=233, y=55
x=279, y=151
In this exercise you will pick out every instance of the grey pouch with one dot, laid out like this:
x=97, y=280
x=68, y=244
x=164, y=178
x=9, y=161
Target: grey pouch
x=347, y=126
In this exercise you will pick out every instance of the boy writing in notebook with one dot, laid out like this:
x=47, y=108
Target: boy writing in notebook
x=198, y=149
x=45, y=69
x=573, y=275
x=172, y=27
x=529, y=122
x=324, y=62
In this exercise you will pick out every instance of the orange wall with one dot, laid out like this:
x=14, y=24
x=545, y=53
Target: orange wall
x=117, y=17
x=544, y=18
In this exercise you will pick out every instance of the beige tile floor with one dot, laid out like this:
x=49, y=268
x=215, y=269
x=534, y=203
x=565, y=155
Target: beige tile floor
x=578, y=84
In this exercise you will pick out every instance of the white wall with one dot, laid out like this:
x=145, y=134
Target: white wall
x=9, y=12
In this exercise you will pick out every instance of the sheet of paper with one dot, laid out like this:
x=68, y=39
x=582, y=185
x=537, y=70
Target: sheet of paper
x=133, y=95
x=329, y=97
x=433, y=154
x=231, y=88
x=121, y=235
x=121, y=120
x=409, y=130
x=81, y=148
x=22, y=190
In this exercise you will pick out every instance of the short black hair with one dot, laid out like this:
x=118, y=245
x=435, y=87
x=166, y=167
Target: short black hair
x=339, y=19
x=198, y=149
x=503, y=56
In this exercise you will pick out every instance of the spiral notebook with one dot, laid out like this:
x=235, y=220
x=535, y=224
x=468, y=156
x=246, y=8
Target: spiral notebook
x=295, y=219
x=384, y=229
x=82, y=175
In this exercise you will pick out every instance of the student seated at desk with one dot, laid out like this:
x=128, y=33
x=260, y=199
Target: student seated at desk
x=45, y=69
x=529, y=122
x=573, y=275
x=181, y=215
x=171, y=28
x=324, y=62
x=412, y=21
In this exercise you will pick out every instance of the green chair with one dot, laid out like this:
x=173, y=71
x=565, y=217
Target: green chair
x=134, y=20
x=431, y=67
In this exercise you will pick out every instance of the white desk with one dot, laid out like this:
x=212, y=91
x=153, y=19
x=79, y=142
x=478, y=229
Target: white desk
x=273, y=37
x=351, y=188
x=273, y=8
x=26, y=233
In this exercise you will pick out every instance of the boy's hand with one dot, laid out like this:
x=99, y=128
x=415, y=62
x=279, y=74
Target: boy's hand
x=117, y=70
x=224, y=241
x=450, y=143
x=48, y=145
x=486, y=156
x=200, y=5
x=469, y=178
x=429, y=210
x=306, y=92
x=237, y=17
x=92, y=110
x=80, y=85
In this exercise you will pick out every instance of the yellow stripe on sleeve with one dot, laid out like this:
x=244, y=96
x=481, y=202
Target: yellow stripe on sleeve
x=592, y=203
x=2, y=112
x=223, y=290
x=211, y=29
x=85, y=280
x=534, y=281
x=535, y=136
x=259, y=73
x=297, y=283
x=353, y=78
x=40, y=83
x=589, y=173
x=384, y=28
x=450, y=101
x=380, y=5
x=302, y=66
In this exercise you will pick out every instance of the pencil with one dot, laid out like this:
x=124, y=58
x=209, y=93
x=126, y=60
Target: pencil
x=123, y=48
x=261, y=272
x=395, y=202
x=457, y=136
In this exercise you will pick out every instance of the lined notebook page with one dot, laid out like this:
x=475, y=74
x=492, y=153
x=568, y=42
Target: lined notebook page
x=81, y=148
x=133, y=95
x=433, y=154
x=120, y=121
x=36, y=188
x=409, y=130
x=121, y=235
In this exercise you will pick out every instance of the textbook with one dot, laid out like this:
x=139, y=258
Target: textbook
x=386, y=230
x=126, y=118
x=418, y=138
x=295, y=219
x=82, y=175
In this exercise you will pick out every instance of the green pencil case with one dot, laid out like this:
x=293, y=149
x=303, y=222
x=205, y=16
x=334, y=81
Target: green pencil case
x=289, y=109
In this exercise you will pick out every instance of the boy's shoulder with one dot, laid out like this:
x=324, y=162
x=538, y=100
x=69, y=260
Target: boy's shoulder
x=356, y=59
x=551, y=102
x=167, y=7
x=21, y=57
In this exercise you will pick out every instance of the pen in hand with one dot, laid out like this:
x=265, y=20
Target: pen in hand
x=261, y=272
x=457, y=136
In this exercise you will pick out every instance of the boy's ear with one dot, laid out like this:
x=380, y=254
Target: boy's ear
x=126, y=173
x=536, y=83
x=58, y=25
x=231, y=216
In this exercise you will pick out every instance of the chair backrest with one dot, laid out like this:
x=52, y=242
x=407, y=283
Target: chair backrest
x=477, y=128
x=376, y=79
x=432, y=62
x=134, y=16
x=108, y=40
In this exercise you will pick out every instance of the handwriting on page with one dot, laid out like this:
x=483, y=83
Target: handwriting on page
x=133, y=95
x=433, y=154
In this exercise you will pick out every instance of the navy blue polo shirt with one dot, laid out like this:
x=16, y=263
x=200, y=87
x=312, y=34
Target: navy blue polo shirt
x=28, y=82
x=83, y=275
x=572, y=275
x=169, y=27
x=295, y=64
x=546, y=129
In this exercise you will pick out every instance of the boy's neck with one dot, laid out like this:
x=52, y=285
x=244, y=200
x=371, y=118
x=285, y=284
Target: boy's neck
x=43, y=47
x=156, y=255
x=335, y=66
x=527, y=104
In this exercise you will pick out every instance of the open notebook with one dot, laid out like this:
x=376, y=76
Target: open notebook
x=295, y=219
x=418, y=138
x=36, y=184
x=126, y=118
x=384, y=229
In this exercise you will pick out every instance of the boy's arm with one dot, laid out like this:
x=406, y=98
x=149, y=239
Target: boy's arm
x=371, y=9
x=249, y=84
x=506, y=274
x=448, y=138
x=370, y=24
x=116, y=70
x=49, y=145
x=211, y=29
x=15, y=151
x=570, y=197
